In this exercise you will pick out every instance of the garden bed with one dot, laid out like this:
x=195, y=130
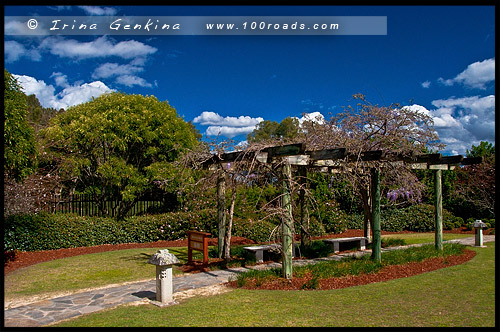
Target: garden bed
x=385, y=274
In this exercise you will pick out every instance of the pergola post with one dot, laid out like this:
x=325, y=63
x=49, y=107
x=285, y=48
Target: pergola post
x=305, y=236
x=377, y=240
x=287, y=222
x=439, y=211
x=367, y=224
x=221, y=212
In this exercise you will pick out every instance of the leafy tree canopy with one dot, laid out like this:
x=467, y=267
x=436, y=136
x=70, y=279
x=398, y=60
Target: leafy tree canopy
x=19, y=141
x=118, y=144
x=287, y=129
x=485, y=150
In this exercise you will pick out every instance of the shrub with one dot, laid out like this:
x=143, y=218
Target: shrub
x=334, y=219
x=355, y=221
x=259, y=230
x=416, y=218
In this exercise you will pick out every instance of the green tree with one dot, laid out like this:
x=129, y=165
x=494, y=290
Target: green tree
x=38, y=116
x=116, y=146
x=20, y=153
x=263, y=131
x=287, y=129
x=485, y=150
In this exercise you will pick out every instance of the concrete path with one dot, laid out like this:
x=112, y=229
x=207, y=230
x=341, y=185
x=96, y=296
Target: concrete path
x=73, y=305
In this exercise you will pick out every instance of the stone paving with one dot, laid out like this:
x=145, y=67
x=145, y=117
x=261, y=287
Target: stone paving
x=73, y=305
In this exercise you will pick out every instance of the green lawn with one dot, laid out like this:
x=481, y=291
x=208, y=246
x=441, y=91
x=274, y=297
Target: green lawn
x=87, y=271
x=111, y=267
x=415, y=238
x=459, y=296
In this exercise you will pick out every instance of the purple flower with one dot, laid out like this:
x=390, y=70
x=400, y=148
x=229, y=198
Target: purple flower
x=392, y=195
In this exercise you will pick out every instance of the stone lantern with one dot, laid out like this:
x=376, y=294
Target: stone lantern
x=479, y=226
x=164, y=287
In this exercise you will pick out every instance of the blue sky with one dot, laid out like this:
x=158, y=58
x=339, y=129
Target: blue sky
x=438, y=59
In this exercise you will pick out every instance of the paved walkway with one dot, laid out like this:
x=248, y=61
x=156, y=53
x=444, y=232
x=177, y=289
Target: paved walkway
x=64, y=307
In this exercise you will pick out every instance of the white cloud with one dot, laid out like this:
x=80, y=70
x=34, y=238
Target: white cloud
x=476, y=75
x=107, y=70
x=426, y=84
x=462, y=122
x=45, y=93
x=228, y=131
x=78, y=94
x=100, y=47
x=60, y=79
x=69, y=96
x=211, y=118
x=131, y=80
x=227, y=126
x=418, y=108
x=95, y=10
x=14, y=51
x=314, y=116
x=124, y=74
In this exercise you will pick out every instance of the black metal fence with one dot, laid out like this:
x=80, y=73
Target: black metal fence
x=85, y=205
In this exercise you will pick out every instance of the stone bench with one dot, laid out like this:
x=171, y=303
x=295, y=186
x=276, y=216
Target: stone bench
x=361, y=242
x=258, y=251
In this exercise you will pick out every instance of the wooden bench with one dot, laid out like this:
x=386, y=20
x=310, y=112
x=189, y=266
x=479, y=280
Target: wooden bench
x=361, y=242
x=258, y=251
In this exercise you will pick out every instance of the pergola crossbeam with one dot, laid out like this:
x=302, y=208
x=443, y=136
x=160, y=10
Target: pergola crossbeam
x=296, y=155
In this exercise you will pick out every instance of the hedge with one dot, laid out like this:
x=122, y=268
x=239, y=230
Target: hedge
x=46, y=231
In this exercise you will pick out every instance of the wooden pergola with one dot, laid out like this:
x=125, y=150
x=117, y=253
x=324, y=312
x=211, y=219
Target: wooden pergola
x=333, y=160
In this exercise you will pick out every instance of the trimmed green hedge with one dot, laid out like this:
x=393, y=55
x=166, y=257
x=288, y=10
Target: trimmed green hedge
x=46, y=231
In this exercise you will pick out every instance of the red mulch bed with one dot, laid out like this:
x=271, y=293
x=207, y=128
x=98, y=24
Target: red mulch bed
x=385, y=274
x=22, y=259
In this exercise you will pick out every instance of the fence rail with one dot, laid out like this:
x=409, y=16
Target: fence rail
x=85, y=205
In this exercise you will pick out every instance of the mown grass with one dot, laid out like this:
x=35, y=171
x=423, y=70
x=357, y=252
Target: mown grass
x=417, y=238
x=458, y=296
x=111, y=267
x=87, y=271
